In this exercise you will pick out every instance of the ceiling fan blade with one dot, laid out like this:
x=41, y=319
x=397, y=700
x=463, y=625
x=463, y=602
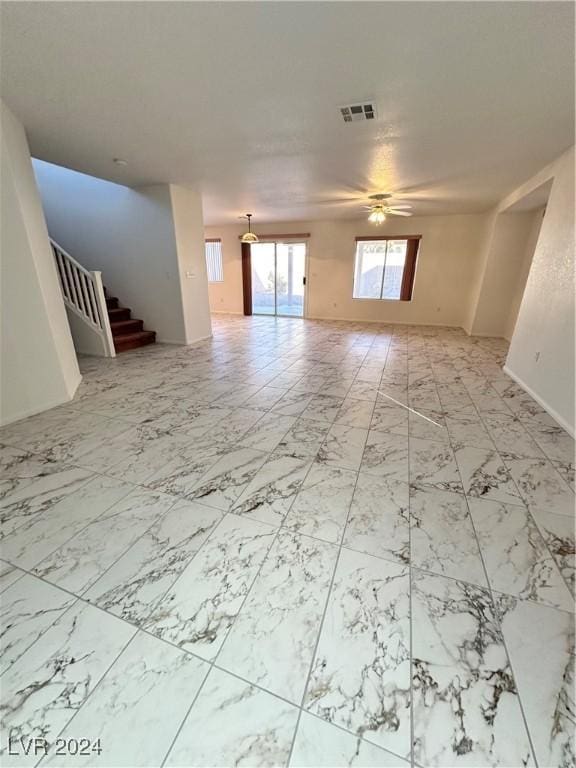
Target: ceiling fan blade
x=415, y=197
x=334, y=201
x=399, y=207
x=312, y=203
x=399, y=213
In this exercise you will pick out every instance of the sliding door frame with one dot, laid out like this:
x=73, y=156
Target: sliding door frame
x=246, y=277
x=299, y=239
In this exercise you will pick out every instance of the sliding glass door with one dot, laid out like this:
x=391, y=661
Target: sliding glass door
x=263, y=260
x=278, y=278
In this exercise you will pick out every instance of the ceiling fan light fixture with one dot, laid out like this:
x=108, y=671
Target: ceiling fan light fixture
x=249, y=237
x=377, y=214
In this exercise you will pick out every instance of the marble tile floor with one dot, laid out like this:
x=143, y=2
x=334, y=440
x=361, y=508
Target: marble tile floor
x=298, y=543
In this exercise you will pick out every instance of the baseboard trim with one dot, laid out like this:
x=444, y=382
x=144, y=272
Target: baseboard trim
x=555, y=415
x=224, y=312
x=74, y=388
x=377, y=322
x=35, y=411
x=346, y=320
x=196, y=341
x=486, y=336
x=180, y=342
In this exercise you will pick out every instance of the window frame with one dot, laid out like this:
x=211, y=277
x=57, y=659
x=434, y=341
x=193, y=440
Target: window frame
x=219, y=241
x=408, y=273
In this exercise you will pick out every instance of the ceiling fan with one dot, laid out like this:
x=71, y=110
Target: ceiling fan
x=380, y=205
x=380, y=209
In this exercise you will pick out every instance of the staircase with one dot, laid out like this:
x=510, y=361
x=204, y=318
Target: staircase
x=98, y=325
x=127, y=331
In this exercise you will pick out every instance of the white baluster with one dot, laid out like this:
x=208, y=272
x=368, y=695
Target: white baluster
x=98, y=319
x=62, y=271
x=79, y=295
x=83, y=294
x=71, y=286
x=85, y=282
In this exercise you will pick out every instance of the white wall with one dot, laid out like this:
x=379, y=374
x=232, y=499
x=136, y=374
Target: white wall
x=541, y=355
x=478, y=269
x=523, y=272
x=446, y=261
x=39, y=368
x=502, y=273
x=189, y=230
x=130, y=236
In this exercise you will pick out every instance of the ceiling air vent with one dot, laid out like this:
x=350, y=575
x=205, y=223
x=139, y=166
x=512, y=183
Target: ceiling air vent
x=356, y=112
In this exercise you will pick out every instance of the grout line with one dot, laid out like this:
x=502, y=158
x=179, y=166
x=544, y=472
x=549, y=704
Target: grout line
x=410, y=609
x=498, y=621
x=494, y=608
x=46, y=757
x=539, y=528
x=187, y=714
x=66, y=468
x=528, y=511
x=326, y=603
x=97, y=519
x=328, y=594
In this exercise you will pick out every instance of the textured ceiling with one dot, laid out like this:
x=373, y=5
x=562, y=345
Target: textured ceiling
x=242, y=99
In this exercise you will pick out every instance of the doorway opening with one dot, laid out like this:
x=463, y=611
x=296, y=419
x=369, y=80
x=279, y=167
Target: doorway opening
x=278, y=276
x=529, y=213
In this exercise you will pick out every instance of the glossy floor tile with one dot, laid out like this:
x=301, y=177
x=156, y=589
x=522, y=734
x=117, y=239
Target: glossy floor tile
x=320, y=744
x=197, y=612
x=466, y=707
x=442, y=536
x=54, y=677
x=124, y=715
x=297, y=543
x=233, y=722
x=281, y=617
x=545, y=680
x=368, y=620
x=152, y=564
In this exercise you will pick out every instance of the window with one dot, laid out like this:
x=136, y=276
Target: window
x=214, y=261
x=385, y=267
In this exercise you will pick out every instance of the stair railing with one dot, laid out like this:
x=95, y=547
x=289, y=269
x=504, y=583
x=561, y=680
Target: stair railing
x=83, y=294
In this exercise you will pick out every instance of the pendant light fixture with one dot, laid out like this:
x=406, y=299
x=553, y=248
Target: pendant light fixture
x=249, y=237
